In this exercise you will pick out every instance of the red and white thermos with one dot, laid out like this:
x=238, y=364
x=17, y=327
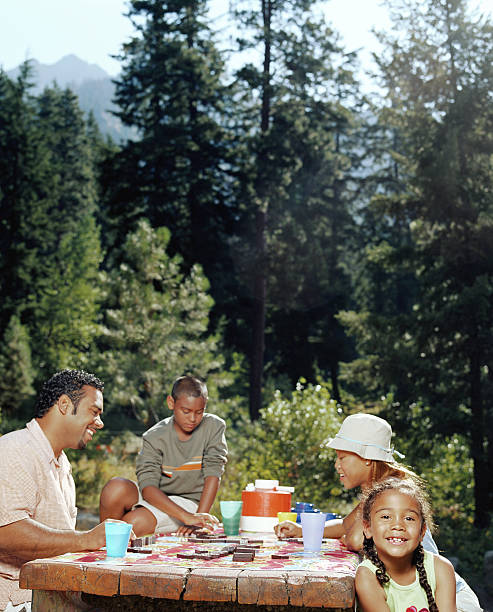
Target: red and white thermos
x=261, y=503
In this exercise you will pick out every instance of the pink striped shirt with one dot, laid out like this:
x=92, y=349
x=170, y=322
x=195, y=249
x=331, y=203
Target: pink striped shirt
x=33, y=484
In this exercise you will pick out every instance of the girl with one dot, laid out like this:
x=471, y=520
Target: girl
x=397, y=575
x=365, y=457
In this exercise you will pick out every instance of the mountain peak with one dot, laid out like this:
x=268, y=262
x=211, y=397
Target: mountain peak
x=92, y=85
x=69, y=70
x=73, y=62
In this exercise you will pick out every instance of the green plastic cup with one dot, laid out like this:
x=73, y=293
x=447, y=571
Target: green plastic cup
x=231, y=514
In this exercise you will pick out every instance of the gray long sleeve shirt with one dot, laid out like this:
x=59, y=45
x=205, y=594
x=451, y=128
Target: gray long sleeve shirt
x=179, y=467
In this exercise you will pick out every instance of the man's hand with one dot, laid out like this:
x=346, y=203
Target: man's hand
x=95, y=538
x=194, y=520
x=287, y=529
x=29, y=540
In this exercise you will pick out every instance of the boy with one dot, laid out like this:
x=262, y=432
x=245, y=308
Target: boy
x=178, y=469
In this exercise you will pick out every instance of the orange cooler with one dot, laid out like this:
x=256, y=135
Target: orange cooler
x=262, y=503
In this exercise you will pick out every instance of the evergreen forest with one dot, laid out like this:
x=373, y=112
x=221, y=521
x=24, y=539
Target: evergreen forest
x=308, y=248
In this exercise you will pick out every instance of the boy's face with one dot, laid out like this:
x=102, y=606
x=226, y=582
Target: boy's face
x=188, y=412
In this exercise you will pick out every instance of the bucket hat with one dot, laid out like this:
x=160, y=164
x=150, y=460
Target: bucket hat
x=366, y=435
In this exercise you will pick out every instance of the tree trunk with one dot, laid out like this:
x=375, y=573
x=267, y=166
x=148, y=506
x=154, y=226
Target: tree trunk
x=480, y=470
x=334, y=368
x=489, y=436
x=260, y=275
x=258, y=331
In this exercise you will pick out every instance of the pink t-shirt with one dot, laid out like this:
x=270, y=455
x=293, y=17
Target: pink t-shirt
x=33, y=484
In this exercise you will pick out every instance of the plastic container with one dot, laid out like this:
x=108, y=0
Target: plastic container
x=260, y=506
x=231, y=515
x=266, y=484
x=300, y=507
x=312, y=525
x=117, y=536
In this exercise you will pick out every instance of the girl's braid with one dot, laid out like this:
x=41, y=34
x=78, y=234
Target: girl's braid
x=371, y=553
x=418, y=560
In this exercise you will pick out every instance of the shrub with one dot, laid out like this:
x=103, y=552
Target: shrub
x=288, y=444
x=96, y=464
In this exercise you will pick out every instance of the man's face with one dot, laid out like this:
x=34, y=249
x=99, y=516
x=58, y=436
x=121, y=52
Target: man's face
x=87, y=419
x=188, y=412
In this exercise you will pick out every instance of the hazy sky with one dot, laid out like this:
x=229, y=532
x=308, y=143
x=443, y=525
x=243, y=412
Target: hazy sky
x=94, y=29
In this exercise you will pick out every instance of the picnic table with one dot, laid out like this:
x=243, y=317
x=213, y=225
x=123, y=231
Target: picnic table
x=92, y=581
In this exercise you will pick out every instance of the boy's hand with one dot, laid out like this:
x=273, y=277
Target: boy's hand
x=287, y=529
x=201, y=520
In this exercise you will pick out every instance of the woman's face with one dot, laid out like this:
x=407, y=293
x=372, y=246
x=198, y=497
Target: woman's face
x=353, y=470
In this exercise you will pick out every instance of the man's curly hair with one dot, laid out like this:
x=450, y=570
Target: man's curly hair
x=65, y=382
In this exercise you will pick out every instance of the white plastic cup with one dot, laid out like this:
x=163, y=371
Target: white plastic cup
x=312, y=528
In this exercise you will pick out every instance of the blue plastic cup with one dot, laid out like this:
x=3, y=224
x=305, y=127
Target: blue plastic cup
x=331, y=515
x=312, y=527
x=302, y=507
x=117, y=536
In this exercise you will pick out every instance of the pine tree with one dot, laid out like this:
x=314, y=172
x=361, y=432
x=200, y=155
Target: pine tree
x=63, y=301
x=16, y=371
x=22, y=175
x=439, y=79
x=298, y=135
x=50, y=242
x=156, y=325
x=174, y=174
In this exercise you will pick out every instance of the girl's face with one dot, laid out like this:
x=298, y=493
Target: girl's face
x=396, y=525
x=353, y=470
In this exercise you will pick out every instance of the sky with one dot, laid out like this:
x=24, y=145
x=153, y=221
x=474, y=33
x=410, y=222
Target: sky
x=94, y=30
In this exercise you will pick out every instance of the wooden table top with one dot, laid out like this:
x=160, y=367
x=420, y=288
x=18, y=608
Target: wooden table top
x=321, y=580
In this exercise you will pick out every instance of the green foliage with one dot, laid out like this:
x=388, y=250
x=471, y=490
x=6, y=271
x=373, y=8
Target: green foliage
x=16, y=371
x=96, y=464
x=65, y=301
x=288, y=444
x=156, y=326
x=22, y=173
x=298, y=184
x=170, y=89
x=50, y=242
x=427, y=334
x=180, y=171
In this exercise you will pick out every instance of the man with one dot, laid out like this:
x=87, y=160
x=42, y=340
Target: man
x=37, y=491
